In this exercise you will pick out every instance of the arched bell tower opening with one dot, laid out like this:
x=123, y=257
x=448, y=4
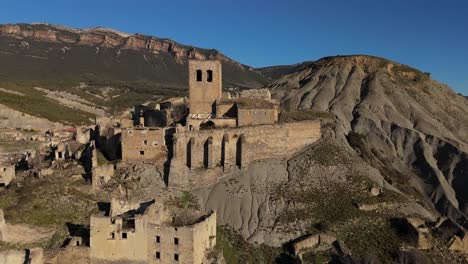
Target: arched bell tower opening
x=205, y=85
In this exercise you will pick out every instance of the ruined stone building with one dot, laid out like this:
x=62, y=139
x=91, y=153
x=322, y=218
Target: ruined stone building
x=219, y=132
x=69, y=150
x=144, y=144
x=7, y=174
x=151, y=233
x=209, y=109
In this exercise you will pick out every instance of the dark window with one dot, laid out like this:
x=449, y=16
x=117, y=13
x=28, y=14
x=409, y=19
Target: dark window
x=176, y=257
x=176, y=241
x=124, y=235
x=112, y=235
x=77, y=243
x=145, y=142
x=158, y=239
x=142, y=153
x=209, y=78
x=199, y=76
x=158, y=255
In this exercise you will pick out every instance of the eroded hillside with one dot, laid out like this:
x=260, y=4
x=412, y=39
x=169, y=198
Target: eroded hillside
x=410, y=127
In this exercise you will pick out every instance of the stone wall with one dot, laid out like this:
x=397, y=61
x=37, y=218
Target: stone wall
x=108, y=242
x=156, y=118
x=7, y=174
x=263, y=94
x=108, y=141
x=226, y=108
x=143, y=144
x=83, y=135
x=189, y=243
x=250, y=117
x=154, y=238
x=196, y=153
x=30, y=256
x=204, y=92
x=101, y=175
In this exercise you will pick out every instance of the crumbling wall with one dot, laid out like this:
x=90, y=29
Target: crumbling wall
x=7, y=174
x=257, y=142
x=120, y=206
x=250, y=117
x=108, y=140
x=143, y=144
x=204, y=236
x=60, y=152
x=83, y=135
x=196, y=153
x=226, y=108
x=108, y=241
x=263, y=94
x=156, y=118
x=190, y=243
x=102, y=175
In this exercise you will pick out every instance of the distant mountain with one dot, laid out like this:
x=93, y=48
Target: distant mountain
x=410, y=127
x=132, y=64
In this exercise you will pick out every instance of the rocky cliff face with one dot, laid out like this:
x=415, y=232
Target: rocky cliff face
x=410, y=127
x=108, y=38
x=143, y=63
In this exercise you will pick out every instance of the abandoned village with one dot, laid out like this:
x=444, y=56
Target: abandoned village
x=192, y=141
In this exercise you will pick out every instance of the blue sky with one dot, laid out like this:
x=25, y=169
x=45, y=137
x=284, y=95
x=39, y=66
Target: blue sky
x=427, y=34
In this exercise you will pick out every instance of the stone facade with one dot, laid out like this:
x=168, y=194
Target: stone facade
x=150, y=234
x=251, y=117
x=83, y=135
x=196, y=152
x=205, y=85
x=111, y=239
x=310, y=243
x=263, y=94
x=143, y=144
x=7, y=174
x=181, y=244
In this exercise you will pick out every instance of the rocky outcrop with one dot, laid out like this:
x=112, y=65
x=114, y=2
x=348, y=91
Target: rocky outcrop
x=107, y=59
x=410, y=127
x=108, y=38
